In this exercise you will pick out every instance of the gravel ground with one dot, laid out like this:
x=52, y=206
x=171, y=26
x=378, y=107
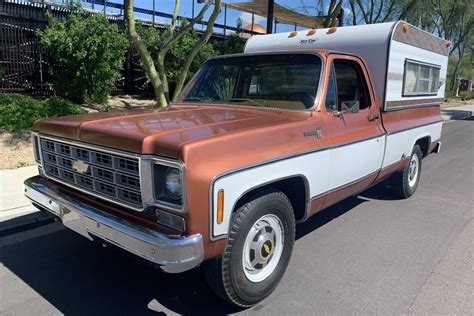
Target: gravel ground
x=15, y=150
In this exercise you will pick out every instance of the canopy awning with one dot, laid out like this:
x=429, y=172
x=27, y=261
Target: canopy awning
x=280, y=13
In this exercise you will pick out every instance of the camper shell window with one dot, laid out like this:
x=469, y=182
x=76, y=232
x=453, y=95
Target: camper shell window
x=420, y=79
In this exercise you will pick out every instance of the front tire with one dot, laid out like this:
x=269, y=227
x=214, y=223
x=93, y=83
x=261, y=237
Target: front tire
x=405, y=183
x=257, y=253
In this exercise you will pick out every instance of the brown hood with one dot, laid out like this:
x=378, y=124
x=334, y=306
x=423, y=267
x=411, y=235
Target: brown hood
x=160, y=132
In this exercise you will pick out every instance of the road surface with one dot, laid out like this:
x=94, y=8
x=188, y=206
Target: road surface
x=368, y=254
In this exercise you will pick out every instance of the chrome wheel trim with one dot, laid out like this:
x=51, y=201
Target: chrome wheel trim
x=413, y=169
x=263, y=248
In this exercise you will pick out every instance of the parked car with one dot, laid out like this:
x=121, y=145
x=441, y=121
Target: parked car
x=256, y=142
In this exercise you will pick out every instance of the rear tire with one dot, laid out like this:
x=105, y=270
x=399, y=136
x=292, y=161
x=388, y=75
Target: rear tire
x=258, y=250
x=405, y=183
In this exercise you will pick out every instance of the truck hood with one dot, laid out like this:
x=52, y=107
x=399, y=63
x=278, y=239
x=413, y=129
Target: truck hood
x=160, y=132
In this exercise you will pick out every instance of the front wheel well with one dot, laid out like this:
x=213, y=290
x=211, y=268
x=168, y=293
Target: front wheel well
x=295, y=188
x=424, y=144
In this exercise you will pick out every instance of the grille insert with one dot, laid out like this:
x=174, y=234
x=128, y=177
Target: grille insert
x=105, y=174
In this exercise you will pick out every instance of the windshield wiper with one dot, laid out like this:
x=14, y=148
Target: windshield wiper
x=246, y=99
x=198, y=99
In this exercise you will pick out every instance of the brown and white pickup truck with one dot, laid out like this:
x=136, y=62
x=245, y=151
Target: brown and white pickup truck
x=256, y=143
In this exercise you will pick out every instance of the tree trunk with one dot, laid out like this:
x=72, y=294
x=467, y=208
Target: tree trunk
x=202, y=41
x=145, y=55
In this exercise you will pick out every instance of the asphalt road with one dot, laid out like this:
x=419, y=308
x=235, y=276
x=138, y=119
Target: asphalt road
x=368, y=254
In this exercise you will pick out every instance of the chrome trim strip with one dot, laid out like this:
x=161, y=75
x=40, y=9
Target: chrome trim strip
x=173, y=255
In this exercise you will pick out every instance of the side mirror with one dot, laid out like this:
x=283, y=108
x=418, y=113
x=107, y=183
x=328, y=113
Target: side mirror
x=350, y=106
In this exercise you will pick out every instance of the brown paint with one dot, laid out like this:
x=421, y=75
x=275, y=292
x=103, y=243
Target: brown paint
x=396, y=121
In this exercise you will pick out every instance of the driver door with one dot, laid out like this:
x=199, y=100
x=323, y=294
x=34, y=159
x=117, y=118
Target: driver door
x=355, y=131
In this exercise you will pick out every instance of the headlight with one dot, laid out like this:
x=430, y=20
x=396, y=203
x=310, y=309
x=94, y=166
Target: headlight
x=168, y=185
x=172, y=186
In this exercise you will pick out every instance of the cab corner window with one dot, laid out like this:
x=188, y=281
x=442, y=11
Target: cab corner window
x=349, y=86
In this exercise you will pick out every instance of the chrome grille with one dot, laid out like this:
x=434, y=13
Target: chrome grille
x=107, y=175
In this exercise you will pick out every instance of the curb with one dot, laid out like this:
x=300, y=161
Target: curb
x=30, y=219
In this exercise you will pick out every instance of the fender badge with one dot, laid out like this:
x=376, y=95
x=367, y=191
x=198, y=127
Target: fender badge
x=318, y=132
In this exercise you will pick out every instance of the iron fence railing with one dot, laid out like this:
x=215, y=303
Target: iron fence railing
x=25, y=63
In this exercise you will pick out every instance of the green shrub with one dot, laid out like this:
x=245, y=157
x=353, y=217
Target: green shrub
x=232, y=44
x=465, y=95
x=18, y=113
x=57, y=106
x=90, y=53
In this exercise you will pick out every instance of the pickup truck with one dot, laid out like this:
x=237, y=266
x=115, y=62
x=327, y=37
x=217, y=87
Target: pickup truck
x=255, y=143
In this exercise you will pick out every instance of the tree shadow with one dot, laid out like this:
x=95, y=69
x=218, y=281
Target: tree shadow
x=79, y=277
x=457, y=114
x=380, y=191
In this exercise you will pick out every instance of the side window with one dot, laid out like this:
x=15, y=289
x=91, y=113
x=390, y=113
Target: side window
x=331, y=99
x=420, y=79
x=351, y=85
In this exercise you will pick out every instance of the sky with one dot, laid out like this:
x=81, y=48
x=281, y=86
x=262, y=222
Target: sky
x=167, y=6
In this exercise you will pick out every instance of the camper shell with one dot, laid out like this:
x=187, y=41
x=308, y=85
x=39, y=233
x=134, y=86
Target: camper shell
x=393, y=53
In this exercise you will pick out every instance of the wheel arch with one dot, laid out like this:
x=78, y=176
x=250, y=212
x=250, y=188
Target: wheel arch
x=295, y=187
x=424, y=142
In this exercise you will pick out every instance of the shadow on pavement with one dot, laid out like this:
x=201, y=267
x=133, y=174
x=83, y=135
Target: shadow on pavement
x=457, y=114
x=80, y=277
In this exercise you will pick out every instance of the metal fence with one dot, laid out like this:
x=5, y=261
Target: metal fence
x=25, y=64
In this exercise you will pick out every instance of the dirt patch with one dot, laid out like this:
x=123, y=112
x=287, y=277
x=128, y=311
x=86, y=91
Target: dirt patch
x=122, y=103
x=454, y=103
x=16, y=150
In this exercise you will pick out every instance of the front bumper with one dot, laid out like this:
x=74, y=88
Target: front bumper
x=172, y=255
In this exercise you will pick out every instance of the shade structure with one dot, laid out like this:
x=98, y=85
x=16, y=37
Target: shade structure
x=280, y=13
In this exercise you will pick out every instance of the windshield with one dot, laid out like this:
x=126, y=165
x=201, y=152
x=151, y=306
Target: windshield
x=280, y=81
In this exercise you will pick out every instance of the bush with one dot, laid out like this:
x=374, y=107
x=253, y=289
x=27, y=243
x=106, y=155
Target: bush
x=18, y=113
x=90, y=53
x=465, y=95
x=232, y=44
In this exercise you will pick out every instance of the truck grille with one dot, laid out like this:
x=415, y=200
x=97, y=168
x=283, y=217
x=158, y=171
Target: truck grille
x=107, y=175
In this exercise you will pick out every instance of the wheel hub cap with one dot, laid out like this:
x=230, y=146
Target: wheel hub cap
x=413, y=171
x=263, y=248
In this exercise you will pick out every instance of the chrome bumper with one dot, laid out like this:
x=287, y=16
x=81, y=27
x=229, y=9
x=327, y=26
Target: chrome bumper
x=170, y=254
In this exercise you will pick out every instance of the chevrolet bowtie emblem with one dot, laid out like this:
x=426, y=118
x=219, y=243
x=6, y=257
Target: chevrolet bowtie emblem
x=80, y=166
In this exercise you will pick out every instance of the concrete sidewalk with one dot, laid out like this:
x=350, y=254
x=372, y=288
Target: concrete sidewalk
x=15, y=209
x=458, y=112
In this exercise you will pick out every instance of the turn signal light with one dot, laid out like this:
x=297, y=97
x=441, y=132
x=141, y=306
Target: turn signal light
x=405, y=27
x=332, y=30
x=311, y=32
x=220, y=207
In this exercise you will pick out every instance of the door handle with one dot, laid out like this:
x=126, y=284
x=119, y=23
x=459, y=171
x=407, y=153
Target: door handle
x=373, y=117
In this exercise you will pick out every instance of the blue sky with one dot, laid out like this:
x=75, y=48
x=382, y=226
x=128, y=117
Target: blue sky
x=167, y=6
